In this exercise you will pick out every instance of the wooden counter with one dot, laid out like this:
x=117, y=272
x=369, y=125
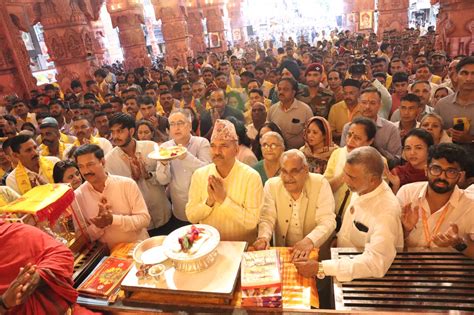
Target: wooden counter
x=438, y=279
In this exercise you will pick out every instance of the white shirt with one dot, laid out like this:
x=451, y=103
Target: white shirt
x=11, y=178
x=295, y=229
x=379, y=211
x=460, y=207
x=177, y=174
x=470, y=191
x=130, y=214
x=159, y=207
x=252, y=132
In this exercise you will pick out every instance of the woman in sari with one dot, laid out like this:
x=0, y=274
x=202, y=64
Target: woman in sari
x=318, y=144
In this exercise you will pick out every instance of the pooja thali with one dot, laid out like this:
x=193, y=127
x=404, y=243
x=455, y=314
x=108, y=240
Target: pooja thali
x=168, y=153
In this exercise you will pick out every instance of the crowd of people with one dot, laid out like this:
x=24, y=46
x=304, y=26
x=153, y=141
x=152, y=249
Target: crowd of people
x=284, y=147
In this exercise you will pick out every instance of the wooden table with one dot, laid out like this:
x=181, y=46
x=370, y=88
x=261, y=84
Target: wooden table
x=419, y=280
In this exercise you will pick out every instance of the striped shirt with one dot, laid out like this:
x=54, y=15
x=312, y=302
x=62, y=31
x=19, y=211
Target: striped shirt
x=237, y=217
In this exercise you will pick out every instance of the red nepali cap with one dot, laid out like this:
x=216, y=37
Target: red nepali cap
x=314, y=67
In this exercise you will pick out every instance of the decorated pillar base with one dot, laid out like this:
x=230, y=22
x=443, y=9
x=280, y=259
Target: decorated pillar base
x=455, y=27
x=393, y=15
x=196, y=30
x=128, y=17
x=214, y=14
x=173, y=14
x=15, y=73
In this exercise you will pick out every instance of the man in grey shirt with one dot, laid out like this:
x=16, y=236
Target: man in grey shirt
x=457, y=109
x=387, y=139
x=289, y=113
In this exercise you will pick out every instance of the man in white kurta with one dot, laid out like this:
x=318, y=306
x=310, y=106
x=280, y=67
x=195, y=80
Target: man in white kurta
x=437, y=213
x=112, y=205
x=298, y=207
x=372, y=223
x=226, y=194
x=177, y=173
x=130, y=159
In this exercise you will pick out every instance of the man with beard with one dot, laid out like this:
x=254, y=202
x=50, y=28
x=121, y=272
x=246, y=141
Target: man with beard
x=131, y=106
x=438, y=62
x=113, y=205
x=22, y=113
x=56, y=109
x=51, y=139
x=83, y=130
x=226, y=194
x=32, y=169
x=219, y=110
x=319, y=99
x=437, y=213
x=129, y=158
x=372, y=223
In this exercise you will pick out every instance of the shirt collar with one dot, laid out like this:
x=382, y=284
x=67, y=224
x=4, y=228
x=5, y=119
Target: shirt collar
x=379, y=122
x=373, y=193
x=91, y=188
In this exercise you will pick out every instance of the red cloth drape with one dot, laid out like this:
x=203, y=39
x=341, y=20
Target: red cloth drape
x=22, y=244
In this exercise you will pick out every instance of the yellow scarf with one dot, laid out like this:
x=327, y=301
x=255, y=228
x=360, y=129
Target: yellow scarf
x=45, y=150
x=92, y=140
x=22, y=179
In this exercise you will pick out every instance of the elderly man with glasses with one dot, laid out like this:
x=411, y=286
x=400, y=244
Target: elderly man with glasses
x=298, y=206
x=437, y=213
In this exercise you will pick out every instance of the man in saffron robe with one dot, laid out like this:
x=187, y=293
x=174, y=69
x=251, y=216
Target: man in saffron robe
x=36, y=277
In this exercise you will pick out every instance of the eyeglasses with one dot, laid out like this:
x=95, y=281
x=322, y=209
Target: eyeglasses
x=272, y=146
x=451, y=173
x=179, y=123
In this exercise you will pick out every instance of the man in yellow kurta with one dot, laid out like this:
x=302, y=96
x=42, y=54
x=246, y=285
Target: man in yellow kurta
x=32, y=169
x=226, y=194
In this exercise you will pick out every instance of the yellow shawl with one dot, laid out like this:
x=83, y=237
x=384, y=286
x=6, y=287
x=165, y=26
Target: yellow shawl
x=92, y=140
x=22, y=179
x=45, y=150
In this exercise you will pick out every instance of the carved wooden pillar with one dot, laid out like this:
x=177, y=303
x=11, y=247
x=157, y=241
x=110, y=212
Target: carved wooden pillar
x=172, y=14
x=214, y=13
x=237, y=22
x=69, y=39
x=127, y=15
x=195, y=28
x=15, y=72
x=455, y=27
x=393, y=15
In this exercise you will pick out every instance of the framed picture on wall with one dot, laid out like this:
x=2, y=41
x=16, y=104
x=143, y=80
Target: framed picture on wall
x=366, y=19
x=214, y=40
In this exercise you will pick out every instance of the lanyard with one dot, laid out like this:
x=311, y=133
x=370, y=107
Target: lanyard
x=440, y=221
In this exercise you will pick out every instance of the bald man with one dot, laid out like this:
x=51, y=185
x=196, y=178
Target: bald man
x=372, y=224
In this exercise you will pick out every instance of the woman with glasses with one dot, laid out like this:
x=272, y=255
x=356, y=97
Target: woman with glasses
x=266, y=127
x=273, y=146
x=318, y=144
x=68, y=173
x=415, y=146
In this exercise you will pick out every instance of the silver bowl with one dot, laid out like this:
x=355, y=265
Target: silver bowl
x=144, y=246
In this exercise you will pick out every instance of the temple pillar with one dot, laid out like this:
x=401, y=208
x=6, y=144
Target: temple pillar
x=174, y=27
x=455, y=27
x=214, y=13
x=393, y=15
x=127, y=15
x=69, y=39
x=237, y=21
x=15, y=73
x=98, y=42
x=195, y=28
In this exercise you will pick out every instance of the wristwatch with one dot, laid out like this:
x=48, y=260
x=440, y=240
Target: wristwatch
x=320, y=274
x=460, y=247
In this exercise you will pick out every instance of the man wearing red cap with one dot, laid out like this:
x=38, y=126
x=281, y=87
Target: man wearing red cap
x=319, y=99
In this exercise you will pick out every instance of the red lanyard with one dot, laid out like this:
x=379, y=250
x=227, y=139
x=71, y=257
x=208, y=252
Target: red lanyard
x=440, y=221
